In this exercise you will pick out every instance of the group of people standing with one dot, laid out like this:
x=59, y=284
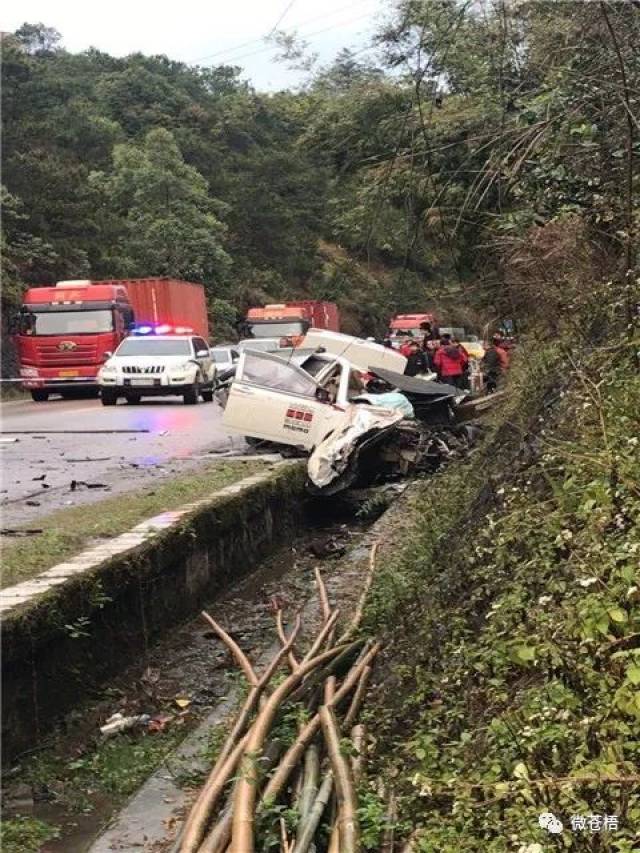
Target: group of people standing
x=447, y=357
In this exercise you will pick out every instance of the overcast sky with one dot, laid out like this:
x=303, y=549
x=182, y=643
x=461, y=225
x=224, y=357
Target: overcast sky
x=211, y=32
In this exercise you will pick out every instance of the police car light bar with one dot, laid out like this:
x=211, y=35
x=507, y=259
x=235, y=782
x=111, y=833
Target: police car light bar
x=163, y=329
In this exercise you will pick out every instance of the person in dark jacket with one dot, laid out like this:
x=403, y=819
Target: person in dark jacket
x=494, y=363
x=450, y=362
x=416, y=360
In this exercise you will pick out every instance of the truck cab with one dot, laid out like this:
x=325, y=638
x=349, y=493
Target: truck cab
x=403, y=325
x=62, y=334
x=287, y=324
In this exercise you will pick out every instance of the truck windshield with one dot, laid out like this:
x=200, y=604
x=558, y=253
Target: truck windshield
x=151, y=346
x=277, y=329
x=67, y=322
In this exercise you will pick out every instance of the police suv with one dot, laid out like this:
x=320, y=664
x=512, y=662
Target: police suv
x=157, y=362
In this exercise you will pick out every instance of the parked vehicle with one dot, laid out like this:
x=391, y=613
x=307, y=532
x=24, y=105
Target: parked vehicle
x=408, y=324
x=150, y=364
x=288, y=322
x=260, y=344
x=225, y=357
x=62, y=333
x=471, y=343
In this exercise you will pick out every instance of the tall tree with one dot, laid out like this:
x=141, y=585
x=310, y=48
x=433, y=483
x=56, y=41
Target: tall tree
x=160, y=213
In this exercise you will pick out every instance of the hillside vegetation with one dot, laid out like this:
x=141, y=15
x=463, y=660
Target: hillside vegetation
x=513, y=620
x=475, y=135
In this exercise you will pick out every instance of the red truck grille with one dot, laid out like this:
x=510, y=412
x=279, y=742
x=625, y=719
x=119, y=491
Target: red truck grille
x=49, y=355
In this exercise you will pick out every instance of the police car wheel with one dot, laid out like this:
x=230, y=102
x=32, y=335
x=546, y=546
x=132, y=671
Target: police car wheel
x=190, y=397
x=207, y=395
x=133, y=399
x=108, y=398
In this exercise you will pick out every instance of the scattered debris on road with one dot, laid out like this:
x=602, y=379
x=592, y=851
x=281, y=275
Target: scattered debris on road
x=77, y=483
x=118, y=723
x=6, y=531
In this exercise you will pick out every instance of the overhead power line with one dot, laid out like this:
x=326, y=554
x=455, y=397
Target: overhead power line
x=260, y=39
x=280, y=19
x=272, y=47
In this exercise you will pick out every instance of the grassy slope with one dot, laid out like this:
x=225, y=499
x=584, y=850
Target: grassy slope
x=68, y=531
x=514, y=661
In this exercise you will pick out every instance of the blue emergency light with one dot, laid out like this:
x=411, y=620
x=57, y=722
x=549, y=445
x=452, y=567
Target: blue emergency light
x=162, y=329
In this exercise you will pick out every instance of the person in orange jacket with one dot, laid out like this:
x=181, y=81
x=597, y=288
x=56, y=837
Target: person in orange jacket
x=450, y=361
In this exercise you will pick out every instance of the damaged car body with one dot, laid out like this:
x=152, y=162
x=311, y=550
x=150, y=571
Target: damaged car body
x=318, y=403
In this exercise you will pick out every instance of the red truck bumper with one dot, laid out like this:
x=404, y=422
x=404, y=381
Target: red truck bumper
x=59, y=379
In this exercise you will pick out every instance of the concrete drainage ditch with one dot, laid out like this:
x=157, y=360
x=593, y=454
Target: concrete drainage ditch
x=70, y=628
x=187, y=661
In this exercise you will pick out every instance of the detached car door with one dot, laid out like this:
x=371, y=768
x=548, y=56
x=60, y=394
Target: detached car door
x=276, y=401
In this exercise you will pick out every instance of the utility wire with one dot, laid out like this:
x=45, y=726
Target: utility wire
x=280, y=19
x=260, y=39
x=272, y=47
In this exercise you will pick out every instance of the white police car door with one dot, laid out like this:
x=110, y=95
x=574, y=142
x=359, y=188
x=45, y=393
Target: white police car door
x=276, y=401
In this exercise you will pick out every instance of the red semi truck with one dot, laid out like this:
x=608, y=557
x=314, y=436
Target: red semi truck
x=290, y=321
x=63, y=332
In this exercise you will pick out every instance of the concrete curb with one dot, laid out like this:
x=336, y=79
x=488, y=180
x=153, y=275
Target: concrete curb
x=66, y=630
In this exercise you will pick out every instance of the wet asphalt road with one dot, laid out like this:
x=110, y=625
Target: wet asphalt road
x=163, y=437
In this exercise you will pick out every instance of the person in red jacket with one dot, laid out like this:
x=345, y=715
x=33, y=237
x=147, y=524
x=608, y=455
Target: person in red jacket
x=450, y=361
x=406, y=348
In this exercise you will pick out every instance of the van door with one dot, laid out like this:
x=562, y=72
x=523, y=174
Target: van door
x=274, y=400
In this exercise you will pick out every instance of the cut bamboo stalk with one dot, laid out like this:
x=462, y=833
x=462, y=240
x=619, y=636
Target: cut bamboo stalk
x=358, y=697
x=241, y=659
x=242, y=834
x=334, y=841
x=308, y=828
x=196, y=824
x=355, y=622
x=310, y=776
x=293, y=663
x=319, y=676
x=322, y=636
x=284, y=838
x=296, y=750
x=329, y=689
x=359, y=740
x=347, y=807
x=218, y=838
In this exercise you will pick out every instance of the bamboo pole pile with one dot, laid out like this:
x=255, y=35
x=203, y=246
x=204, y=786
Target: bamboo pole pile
x=294, y=792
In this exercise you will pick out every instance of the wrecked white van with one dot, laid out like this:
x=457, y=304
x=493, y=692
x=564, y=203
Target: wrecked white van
x=313, y=408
